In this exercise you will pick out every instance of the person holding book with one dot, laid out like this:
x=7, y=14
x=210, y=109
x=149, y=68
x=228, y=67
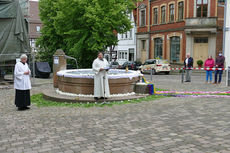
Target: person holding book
x=101, y=83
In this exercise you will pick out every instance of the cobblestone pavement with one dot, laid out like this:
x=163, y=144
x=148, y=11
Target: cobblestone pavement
x=161, y=126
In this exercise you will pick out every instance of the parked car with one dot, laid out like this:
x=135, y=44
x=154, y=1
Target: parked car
x=156, y=65
x=114, y=65
x=137, y=65
x=132, y=65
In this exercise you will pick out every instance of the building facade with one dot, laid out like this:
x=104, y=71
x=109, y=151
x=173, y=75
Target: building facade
x=126, y=48
x=35, y=23
x=169, y=29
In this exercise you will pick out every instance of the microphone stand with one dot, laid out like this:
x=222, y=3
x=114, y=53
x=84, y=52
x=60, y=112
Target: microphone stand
x=104, y=83
x=104, y=86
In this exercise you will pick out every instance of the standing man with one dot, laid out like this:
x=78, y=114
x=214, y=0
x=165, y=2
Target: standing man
x=22, y=84
x=219, y=64
x=101, y=83
x=188, y=64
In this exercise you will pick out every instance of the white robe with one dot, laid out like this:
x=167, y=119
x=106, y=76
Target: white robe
x=99, y=82
x=21, y=81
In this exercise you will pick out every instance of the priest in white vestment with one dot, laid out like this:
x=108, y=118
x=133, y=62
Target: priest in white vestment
x=101, y=83
x=22, y=84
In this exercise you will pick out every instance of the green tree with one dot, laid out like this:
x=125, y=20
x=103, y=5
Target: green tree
x=50, y=41
x=83, y=27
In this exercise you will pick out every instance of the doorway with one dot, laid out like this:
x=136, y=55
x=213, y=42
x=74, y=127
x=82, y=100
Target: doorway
x=200, y=49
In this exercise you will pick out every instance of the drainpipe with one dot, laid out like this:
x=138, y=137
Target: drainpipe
x=149, y=27
x=226, y=39
x=225, y=24
x=224, y=28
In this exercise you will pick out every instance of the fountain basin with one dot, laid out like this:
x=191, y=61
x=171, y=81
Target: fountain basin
x=81, y=81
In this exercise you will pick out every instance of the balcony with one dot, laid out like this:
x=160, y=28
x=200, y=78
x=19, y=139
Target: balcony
x=201, y=25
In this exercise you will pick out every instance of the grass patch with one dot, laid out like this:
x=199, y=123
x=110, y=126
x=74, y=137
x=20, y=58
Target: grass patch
x=39, y=101
x=227, y=94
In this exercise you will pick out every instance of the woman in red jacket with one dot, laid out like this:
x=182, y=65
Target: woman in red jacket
x=209, y=63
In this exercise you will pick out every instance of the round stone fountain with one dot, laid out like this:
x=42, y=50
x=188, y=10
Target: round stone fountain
x=81, y=81
x=78, y=85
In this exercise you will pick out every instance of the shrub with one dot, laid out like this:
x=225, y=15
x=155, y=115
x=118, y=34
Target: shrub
x=199, y=62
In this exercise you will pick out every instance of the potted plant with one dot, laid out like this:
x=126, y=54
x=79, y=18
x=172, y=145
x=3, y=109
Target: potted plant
x=200, y=63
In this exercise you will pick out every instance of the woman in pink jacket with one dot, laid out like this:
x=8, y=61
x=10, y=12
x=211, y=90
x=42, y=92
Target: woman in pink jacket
x=209, y=63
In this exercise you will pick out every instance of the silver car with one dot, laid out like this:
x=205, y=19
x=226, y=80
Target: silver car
x=156, y=65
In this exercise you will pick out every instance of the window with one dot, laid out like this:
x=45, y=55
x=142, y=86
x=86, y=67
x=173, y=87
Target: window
x=122, y=36
x=171, y=12
x=175, y=49
x=143, y=44
x=32, y=43
x=221, y=1
x=180, y=11
x=131, y=54
x=107, y=57
x=150, y=62
x=123, y=54
x=163, y=14
x=200, y=40
x=38, y=28
x=126, y=35
x=202, y=8
x=155, y=16
x=158, y=48
x=143, y=18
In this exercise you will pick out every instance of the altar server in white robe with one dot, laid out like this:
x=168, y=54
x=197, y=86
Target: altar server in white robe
x=22, y=83
x=100, y=67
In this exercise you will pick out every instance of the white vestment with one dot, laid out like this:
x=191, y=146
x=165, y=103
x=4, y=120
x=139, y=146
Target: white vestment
x=21, y=81
x=100, y=78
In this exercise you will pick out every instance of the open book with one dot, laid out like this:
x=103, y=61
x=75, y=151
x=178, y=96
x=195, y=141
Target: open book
x=106, y=68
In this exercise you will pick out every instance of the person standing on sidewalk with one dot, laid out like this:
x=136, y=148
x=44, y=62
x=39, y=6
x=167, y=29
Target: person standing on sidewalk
x=188, y=64
x=219, y=64
x=209, y=63
x=22, y=84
